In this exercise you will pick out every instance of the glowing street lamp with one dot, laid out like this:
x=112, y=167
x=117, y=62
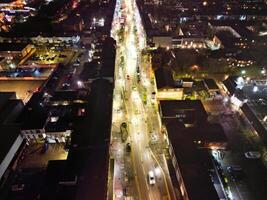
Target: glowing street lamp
x=255, y=89
x=79, y=83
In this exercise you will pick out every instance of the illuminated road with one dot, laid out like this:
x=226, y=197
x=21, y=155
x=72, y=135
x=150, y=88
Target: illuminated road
x=134, y=104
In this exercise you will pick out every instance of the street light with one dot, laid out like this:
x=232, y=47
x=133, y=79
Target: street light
x=255, y=89
x=225, y=100
x=79, y=83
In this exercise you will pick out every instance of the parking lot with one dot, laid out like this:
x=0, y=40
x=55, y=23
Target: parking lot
x=251, y=184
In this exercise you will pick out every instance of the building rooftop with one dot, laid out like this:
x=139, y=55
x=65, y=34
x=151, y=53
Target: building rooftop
x=94, y=170
x=12, y=46
x=9, y=134
x=211, y=84
x=164, y=78
x=94, y=128
x=105, y=65
x=89, y=153
x=11, y=111
x=92, y=137
x=56, y=171
x=187, y=111
x=34, y=114
x=230, y=84
x=193, y=163
x=208, y=133
x=5, y=97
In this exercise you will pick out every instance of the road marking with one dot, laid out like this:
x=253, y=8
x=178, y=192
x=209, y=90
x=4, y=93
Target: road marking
x=136, y=178
x=145, y=175
x=164, y=177
x=237, y=189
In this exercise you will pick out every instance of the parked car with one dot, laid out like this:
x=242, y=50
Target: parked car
x=253, y=155
x=151, y=178
x=128, y=147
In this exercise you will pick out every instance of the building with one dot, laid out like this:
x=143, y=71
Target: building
x=192, y=166
x=187, y=82
x=249, y=96
x=88, y=159
x=20, y=51
x=211, y=85
x=166, y=89
x=43, y=119
x=11, y=142
x=188, y=112
x=208, y=136
x=230, y=84
x=103, y=64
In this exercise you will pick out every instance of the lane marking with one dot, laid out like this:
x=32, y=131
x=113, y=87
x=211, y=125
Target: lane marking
x=136, y=178
x=164, y=177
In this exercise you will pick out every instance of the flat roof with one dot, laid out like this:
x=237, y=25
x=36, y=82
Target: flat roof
x=208, y=132
x=193, y=163
x=9, y=134
x=94, y=172
x=92, y=135
x=95, y=127
x=188, y=111
x=34, y=114
x=12, y=46
x=230, y=84
x=11, y=111
x=211, y=84
x=105, y=68
x=164, y=77
x=89, y=157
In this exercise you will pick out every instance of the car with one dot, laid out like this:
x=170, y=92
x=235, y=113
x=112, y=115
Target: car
x=17, y=187
x=128, y=77
x=253, y=155
x=151, y=178
x=138, y=79
x=128, y=147
x=236, y=173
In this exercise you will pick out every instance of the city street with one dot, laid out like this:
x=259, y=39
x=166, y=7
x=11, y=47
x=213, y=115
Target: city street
x=133, y=104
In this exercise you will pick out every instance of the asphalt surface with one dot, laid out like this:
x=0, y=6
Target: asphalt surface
x=129, y=106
